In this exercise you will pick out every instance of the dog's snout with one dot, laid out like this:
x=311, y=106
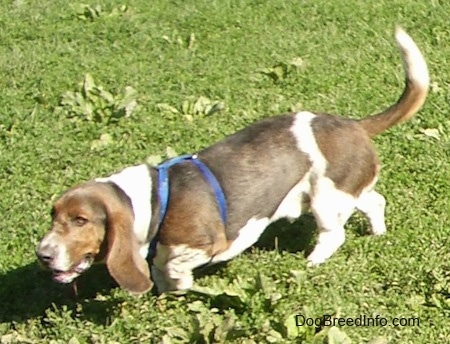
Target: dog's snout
x=45, y=255
x=47, y=259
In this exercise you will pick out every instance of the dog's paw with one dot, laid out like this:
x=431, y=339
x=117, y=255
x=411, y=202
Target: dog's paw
x=379, y=230
x=314, y=260
x=310, y=264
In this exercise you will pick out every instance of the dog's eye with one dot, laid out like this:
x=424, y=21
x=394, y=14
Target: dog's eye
x=80, y=221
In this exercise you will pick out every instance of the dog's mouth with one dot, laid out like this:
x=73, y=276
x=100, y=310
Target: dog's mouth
x=69, y=275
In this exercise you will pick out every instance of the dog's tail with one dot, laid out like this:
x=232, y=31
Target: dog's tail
x=414, y=94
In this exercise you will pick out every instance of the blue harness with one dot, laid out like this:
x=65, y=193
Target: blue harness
x=163, y=191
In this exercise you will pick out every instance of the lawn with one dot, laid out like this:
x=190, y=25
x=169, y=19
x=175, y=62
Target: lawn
x=89, y=88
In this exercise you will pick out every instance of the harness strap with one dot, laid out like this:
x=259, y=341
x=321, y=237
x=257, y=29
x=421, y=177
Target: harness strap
x=163, y=190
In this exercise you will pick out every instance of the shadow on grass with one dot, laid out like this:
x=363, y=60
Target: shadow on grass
x=293, y=237
x=27, y=292
x=299, y=236
x=288, y=236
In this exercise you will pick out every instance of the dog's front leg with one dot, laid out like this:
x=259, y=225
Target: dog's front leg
x=173, y=267
x=160, y=279
x=173, y=276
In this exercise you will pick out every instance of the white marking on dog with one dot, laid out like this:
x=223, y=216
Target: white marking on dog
x=331, y=208
x=143, y=250
x=248, y=235
x=173, y=265
x=62, y=260
x=306, y=142
x=135, y=181
x=372, y=205
x=413, y=58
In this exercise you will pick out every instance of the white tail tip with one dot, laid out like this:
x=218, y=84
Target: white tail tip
x=415, y=62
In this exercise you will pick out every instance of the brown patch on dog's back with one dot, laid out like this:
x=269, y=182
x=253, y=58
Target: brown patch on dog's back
x=352, y=161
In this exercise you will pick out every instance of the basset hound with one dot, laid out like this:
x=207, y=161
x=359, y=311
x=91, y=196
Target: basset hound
x=216, y=204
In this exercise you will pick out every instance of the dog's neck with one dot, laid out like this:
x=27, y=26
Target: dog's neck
x=136, y=183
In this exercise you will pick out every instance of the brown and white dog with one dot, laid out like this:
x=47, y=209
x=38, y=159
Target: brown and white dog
x=276, y=168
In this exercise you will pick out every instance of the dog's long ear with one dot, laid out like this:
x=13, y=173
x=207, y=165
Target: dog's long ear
x=123, y=260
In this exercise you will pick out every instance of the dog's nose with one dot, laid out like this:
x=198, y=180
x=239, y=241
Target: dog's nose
x=45, y=255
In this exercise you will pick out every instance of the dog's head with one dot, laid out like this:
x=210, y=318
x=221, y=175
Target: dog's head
x=93, y=222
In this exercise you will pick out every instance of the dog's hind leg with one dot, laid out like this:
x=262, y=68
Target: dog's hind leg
x=372, y=205
x=331, y=210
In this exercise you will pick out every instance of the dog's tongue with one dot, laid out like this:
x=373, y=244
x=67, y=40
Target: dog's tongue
x=65, y=277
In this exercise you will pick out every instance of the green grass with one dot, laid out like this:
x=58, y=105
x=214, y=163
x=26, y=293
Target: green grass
x=173, y=53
